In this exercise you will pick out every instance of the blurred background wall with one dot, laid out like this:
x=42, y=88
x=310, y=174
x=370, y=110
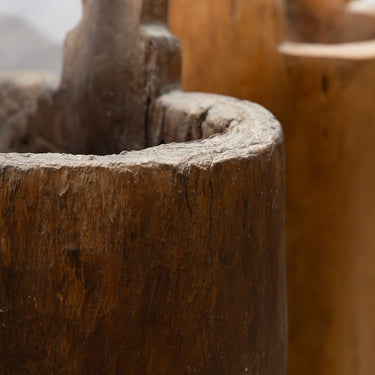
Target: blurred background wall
x=53, y=17
x=32, y=33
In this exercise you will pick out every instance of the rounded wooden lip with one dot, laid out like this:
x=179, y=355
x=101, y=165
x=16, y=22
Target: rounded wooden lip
x=361, y=7
x=243, y=129
x=361, y=50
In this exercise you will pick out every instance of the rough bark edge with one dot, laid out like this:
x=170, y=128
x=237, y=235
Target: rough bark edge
x=230, y=128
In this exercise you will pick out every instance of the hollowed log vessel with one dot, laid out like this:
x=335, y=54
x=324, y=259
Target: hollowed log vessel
x=155, y=245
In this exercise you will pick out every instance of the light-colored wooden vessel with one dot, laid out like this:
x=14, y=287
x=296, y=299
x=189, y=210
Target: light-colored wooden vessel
x=312, y=63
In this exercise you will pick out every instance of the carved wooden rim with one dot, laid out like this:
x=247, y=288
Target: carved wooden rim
x=124, y=56
x=246, y=129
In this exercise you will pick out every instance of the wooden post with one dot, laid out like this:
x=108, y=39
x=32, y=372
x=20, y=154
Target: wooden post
x=323, y=96
x=169, y=260
x=231, y=43
x=331, y=203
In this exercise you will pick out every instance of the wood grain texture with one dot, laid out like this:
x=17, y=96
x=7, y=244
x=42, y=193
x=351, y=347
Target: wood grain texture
x=333, y=21
x=321, y=88
x=330, y=137
x=164, y=261
x=231, y=43
x=117, y=61
x=134, y=264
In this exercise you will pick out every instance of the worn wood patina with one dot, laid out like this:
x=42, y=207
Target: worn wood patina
x=166, y=260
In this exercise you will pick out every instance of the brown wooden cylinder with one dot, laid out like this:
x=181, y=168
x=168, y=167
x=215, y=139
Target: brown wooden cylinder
x=167, y=260
x=230, y=43
x=322, y=94
x=164, y=261
x=330, y=136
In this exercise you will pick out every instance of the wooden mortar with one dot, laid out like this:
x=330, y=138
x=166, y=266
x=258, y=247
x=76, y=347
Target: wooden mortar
x=165, y=260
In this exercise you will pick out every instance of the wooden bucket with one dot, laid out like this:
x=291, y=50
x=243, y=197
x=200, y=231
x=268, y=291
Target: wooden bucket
x=165, y=260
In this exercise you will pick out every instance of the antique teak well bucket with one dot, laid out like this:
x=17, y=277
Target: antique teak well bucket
x=165, y=260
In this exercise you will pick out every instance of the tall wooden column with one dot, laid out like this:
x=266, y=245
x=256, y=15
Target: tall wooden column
x=323, y=96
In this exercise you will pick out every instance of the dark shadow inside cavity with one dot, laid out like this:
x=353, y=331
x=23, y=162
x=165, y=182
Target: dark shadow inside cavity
x=25, y=127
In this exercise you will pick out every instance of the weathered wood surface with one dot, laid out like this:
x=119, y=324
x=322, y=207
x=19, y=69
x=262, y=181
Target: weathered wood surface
x=168, y=260
x=163, y=261
x=16, y=106
x=322, y=94
x=117, y=61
